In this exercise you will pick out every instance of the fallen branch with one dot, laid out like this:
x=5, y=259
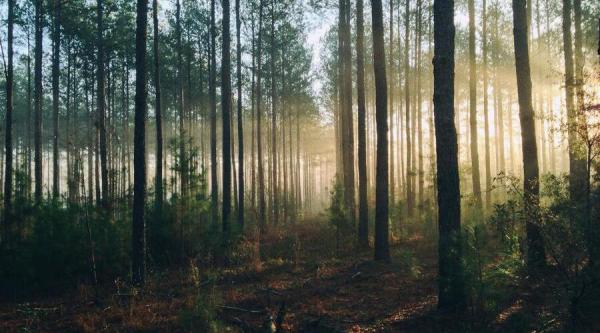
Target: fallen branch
x=235, y=308
x=271, y=291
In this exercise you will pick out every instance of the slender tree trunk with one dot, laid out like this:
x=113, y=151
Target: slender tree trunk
x=363, y=207
x=382, y=250
x=576, y=162
x=29, y=113
x=451, y=283
x=488, y=172
x=183, y=161
x=261, y=176
x=158, y=111
x=391, y=92
x=409, y=189
x=274, y=161
x=138, y=236
x=8, y=163
x=57, y=4
x=253, y=121
x=226, y=113
x=240, y=125
x=419, y=109
x=101, y=105
x=536, y=253
x=39, y=18
x=473, y=107
x=214, y=190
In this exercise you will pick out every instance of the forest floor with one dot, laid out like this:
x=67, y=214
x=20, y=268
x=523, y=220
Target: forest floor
x=301, y=281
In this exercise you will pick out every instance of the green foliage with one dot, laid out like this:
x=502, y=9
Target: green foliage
x=338, y=214
x=492, y=267
x=53, y=250
x=202, y=315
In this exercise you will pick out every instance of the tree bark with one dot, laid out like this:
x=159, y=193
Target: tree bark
x=488, y=172
x=261, y=175
x=451, y=281
x=39, y=18
x=382, y=250
x=157, y=110
x=363, y=207
x=214, y=190
x=101, y=105
x=8, y=163
x=57, y=4
x=409, y=172
x=240, y=126
x=226, y=114
x=138, y=236
x=536, y=253
x=347, y=124
x=473, y=108
x=576, y=162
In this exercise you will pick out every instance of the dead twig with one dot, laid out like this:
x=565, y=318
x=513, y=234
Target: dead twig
x=235, y=308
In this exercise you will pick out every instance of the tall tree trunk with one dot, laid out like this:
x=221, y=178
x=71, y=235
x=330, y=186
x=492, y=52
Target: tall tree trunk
x=29, y=113
x=391, y=92
x=138, y=236
x=57, y=4
x=488, y=172
x=226, y=113
x=157, y=110
x=8, y=163
x=419, y=109
x=214, y=190
x=274, y=161
x=576, y=162
x=261, y=175
x=253, y=121
x=240, y=125
x=451, y=283
x=473, y=107
x=536, y=253
x=183, y=161
x=101, y=104
x=39, y=21
x=363, y=206
x=409, y=189
x=347, y=124
x=382, y=250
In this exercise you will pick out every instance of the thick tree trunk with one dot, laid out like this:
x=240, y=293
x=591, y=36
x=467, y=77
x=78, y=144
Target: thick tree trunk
x=451, y=280
x=536, y=253
x=382, y=250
